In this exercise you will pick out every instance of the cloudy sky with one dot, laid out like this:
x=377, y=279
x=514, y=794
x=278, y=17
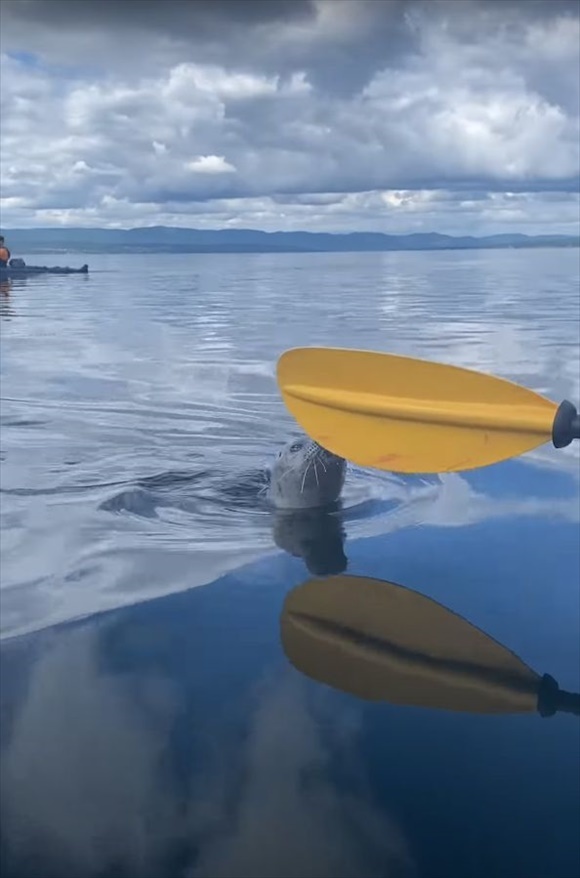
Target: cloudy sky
x=388, y=115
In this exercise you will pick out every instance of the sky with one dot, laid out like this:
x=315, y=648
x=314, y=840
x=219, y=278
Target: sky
x=400, y=116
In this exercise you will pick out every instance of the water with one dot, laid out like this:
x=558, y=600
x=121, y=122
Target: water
x=155, y=727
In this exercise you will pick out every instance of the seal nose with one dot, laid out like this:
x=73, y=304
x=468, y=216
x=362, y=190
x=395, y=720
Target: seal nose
x=328, y=456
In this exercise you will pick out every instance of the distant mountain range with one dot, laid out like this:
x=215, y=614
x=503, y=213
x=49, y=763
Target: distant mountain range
x=164, y=239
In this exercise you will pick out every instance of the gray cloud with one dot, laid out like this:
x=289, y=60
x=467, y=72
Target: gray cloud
x=340, y=44
x=169, y=15
x=165, y=106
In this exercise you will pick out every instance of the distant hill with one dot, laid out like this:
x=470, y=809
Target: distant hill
x=163, y=239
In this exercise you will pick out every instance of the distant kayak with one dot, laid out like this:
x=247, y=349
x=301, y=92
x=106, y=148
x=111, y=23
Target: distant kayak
x=29, y=270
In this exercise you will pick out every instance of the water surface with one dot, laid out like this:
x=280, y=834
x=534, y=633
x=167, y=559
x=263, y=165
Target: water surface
x=152, y=723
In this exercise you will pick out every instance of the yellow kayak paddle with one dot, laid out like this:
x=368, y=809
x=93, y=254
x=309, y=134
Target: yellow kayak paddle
x=382, y=642
x=415, y=416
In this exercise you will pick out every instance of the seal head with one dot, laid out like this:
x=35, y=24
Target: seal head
x=306, y=476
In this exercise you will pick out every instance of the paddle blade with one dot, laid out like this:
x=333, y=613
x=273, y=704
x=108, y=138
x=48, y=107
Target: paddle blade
x=382, y=642
x=407, y=415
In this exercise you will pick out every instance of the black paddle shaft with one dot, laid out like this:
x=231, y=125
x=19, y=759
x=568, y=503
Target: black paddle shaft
x=552, y=699
x=566, y=424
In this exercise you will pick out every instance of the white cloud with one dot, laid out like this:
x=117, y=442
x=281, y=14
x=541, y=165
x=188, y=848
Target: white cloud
x=210, y=164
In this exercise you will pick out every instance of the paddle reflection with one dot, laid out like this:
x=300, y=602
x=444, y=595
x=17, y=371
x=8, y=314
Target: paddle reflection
x=382, y=642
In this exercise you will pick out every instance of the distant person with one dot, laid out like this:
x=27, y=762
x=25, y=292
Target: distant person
x=4, y=253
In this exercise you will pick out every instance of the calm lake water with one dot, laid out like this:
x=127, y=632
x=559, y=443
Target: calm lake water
x=155, y=719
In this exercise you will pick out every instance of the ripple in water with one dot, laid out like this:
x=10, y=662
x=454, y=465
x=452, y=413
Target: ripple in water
x=214, y=503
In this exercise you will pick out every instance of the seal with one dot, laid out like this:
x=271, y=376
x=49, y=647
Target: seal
x=305, y=476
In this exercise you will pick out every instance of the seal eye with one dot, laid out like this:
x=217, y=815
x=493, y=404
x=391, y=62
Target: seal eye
x=296, y=447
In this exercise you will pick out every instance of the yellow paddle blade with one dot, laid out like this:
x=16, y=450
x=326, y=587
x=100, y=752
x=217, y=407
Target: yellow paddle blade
x=382, y=642
x=409, y=415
